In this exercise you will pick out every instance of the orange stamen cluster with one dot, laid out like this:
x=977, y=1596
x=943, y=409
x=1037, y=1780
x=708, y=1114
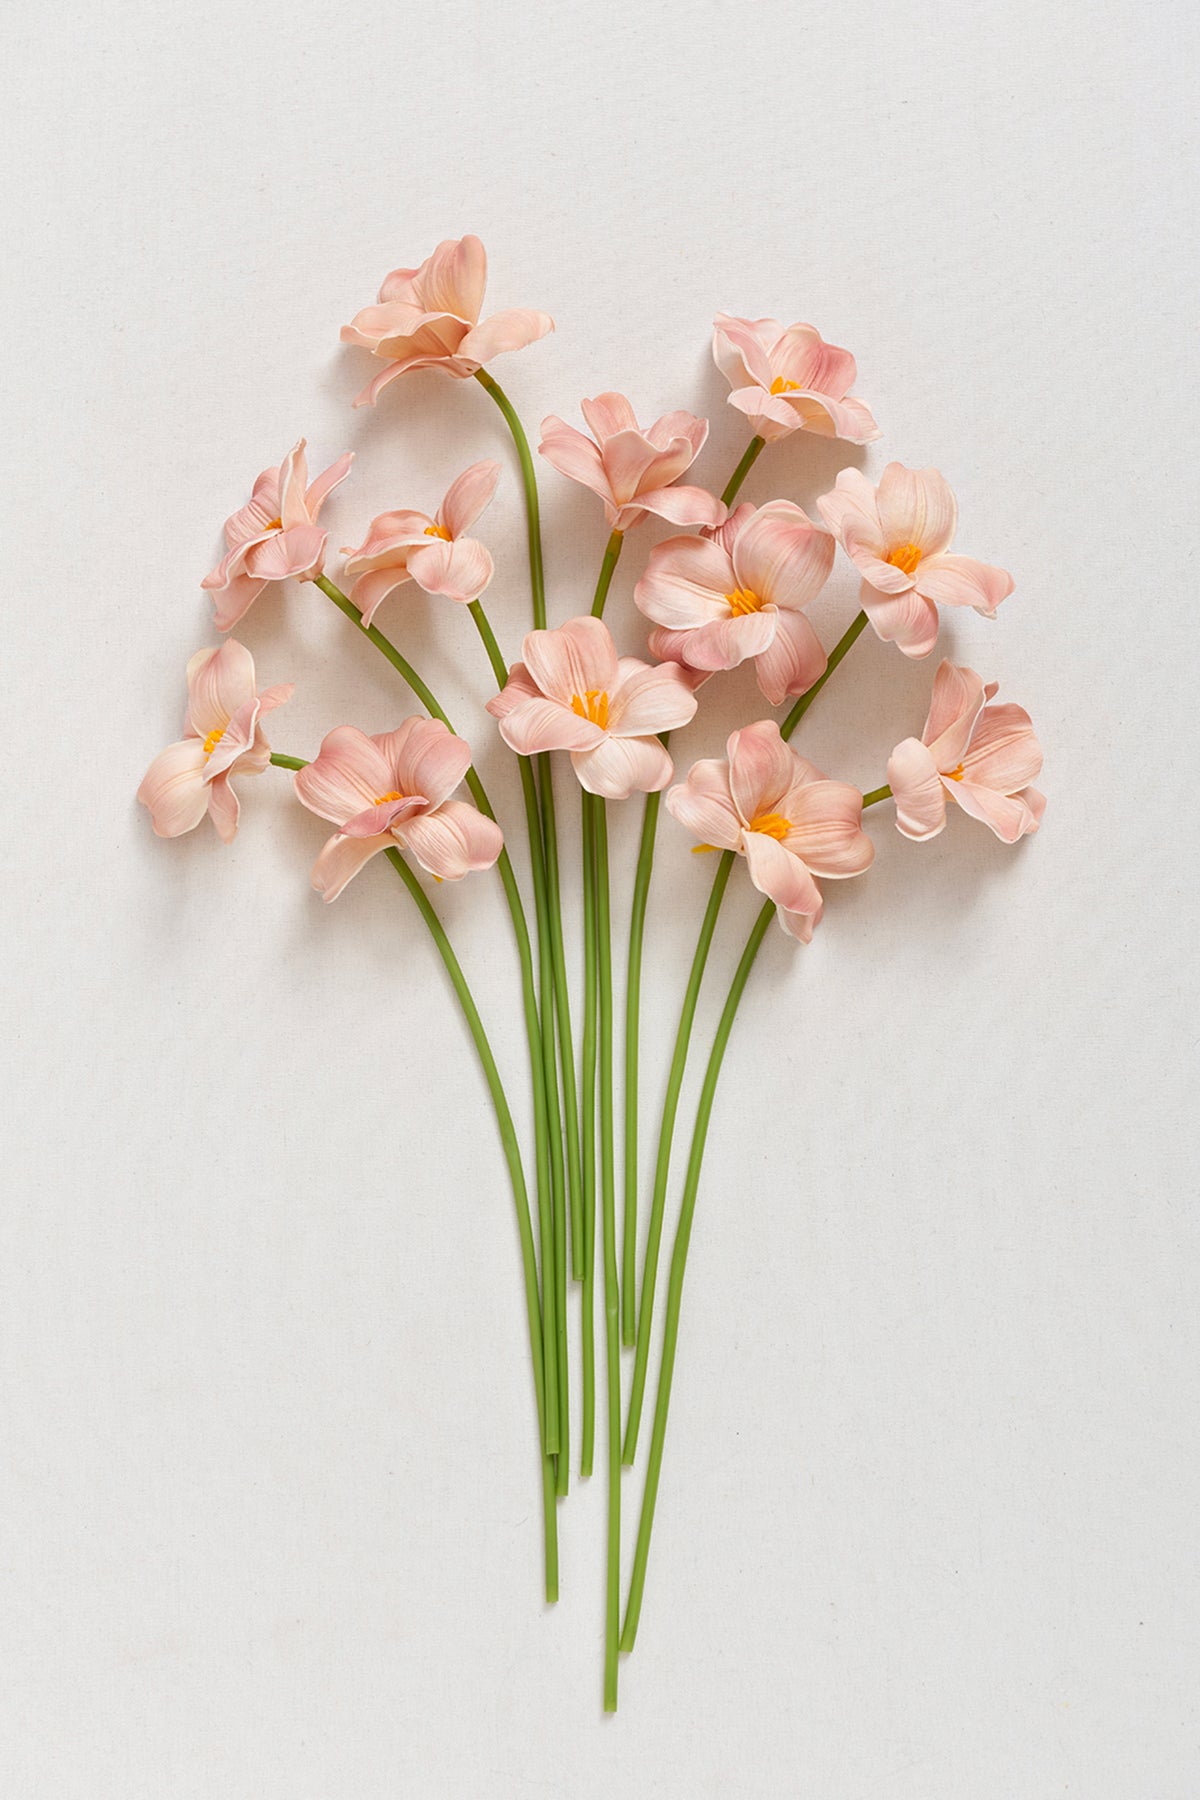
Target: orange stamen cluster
x=905, y=558
x=772, y=824
x=593, y=706
x=743, y=601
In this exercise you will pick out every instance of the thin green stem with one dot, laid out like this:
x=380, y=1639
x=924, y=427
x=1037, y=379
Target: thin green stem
x=848, y=638
x=678, y=1268
x=612, y=551
x=279, y=761
x=587, y=1091
x=876, y=795
x=683, y=1037
x=612, y=1327
x=537, y=578
x=749, y=458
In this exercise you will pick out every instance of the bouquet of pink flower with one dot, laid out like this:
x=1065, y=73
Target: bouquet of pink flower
x=733, y=586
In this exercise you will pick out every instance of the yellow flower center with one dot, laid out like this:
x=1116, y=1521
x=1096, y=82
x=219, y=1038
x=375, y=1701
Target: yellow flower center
x=213, y=739
x=772, y=825
x=593, y=705
x=437, y=531
x=780, y=386
x=955, y=774
x=905, y=557
x=743, y=601
x=382, y=799
x=273, y=525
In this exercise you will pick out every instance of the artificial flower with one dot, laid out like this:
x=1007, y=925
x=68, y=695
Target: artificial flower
x=787, y=819
x=222, y=736
x=394, y=789
x=899, y=536
x=434, y=552
x=429, y=318
x=982, y=757
x=739, y=592
x=633, y=471
x=274, y=535
x=790, y=379
x=572, y=692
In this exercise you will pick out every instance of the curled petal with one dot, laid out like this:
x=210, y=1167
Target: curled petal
x=770, y=416
x=962, y=581
x=827, y=833
x=540, y=724
x=577, y=659
x=573, y=455
x=650, y=699
x=917, y=507
x=219, y=683
x=801, y=925
x=374, y=820
x=792, y=661
x=919, y=793
x=324, y=484
x=1004, y=752
x=607, y=414
x=345, y=777
x=461, y=570
x=741, y=349
x=519, y=687
x=907, y=620
x=779, y=875
x=725, y=643
x=425, y=757
x=223, y=808
x=762, y=769
x=1010, y=816
x=703, y=805
x=505, y=331
x=685, y=583
x=298, y=552
x=618, y=767
x=781, y=556
x=341, y=859
x=468, y=496
x=683, y=505
x=955, y=705
x=174, y=790
x=851, y=513
x=452, y=840
x=372, y=589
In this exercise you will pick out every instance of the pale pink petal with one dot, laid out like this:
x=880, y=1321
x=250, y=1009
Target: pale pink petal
x=223, y=808
x=461, y=570
x=467, y=496
x=666, y=434
x=371, y=590
x=770, y=416
x=800, y=354
x=577, y=659
x=618, y=767
x=454, y=278
x=779, y=875
x=324, y=484
x=851, y=513
x=781, y=556
x=762, y=769
x=1004, y=752
x=962, y=581
x=1008, y=815
x=848, y=419
x=219, y=683
x=233, y=593
x=369, y=395
x=174, y=789
x=388, y=537
x=342, y=858
x=632, y=462
x=259, y=514
x=827, y=833
x=519, y=687
x=647, y=699
x=920, y=797
x=574, y=455
x=906, y=620
x=792, y=661
x=376, y=819
x=452, y=840
x=607, y=414
x=683, y=505
x=702, y=804
x=724, y=643
x=916, y=507
x=425, y=757
x=741, y=349
x=540, y=724
x=297, y=552
x=671, y=646
x=954, y=706
x=503, y=332
x=801, y=925
x=348, y=774
x=293, y=482
x=686, y=583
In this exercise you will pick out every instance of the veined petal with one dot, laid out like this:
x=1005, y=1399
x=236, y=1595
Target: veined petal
x=781, y=556
x=297, y=552
x=574, y=455
x=1004, y=752
x=618, y=767
x=1009, y=816
x=452, y=840
x=372, y=589
x=519, y=687
x=607, y=414
x=173, y=788
x=907, y=620
x=800, y=354
x=962, y=581
x=540, y=724
x=330, y=478
x=917, y=507
x=467, y=497
x=649, y=699
x=503, y=332
x=219, y=682
x=724, y=643
x=779, y=875
x=762, y=769
x=374, y=820
x=769, y=414
x=293, y=484
x=345, y=777
x=801, y=925
x=792, y=661
x=685, y=583
x=954, y=706
x=461, y=570
x=223, y=807
x=827, y=833
x=454, y=278
x=741, y=349
x=849, y=419
x=920, y=796
x=425, y=757
x=341, y=859
x=683, y=505
x=578, y=658
x=704, y=806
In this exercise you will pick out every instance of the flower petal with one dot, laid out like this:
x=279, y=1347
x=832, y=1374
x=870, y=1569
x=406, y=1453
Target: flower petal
x=374, y=820
x=454, y=278
x=574, y=456
x=325, y=483
x=223, y=807
x=793, y=660
x=849, y=419
x=916, y=507
x=296, y=553
x=851, y=513
x=519, y=687
x=781, y=556
x=703, y=804
x=800, y=354
x=741, y=349
x=907, y=620
x=372, y=589
x=827, y=833
x=762, y=769
x=578, y=658
x=607, y=414
x=1010, y=816
x=685, y=583
x=540, y=724
x=219, y=682
x=174, y=790
x=779, y=875
x=683, y=505
x=618, y=767
x=955, y=705
x=962, y=581
x=425, y=757
x=452, y=840
x=920, y=797
x=503, y=332
x=467, y=496
x=342, y=858
x=648, y=699
x=1004, y=752
x=346, y=776
x=461, y=570
x=801, y=925
x=724, y=643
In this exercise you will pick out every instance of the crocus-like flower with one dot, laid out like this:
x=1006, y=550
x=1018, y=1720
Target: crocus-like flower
x=429, y=318
x=899, y=535
x=395, y=789
x=779, y=812
x=790, y=380
x=984, y=757
x=222, y=736
x=572, y=692
x=274, y=535
x=633, y=471
x=410, y=546
x=740, y=592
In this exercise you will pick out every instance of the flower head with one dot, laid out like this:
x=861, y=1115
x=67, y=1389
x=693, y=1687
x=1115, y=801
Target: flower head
x=434, y=552
x=899, y=535
x=782, y=815
x=982, y=757
x=633, y=471
x=429, y=318
x=274, y=535
x=223, y=736
x=394, y=789
x=740, y=592
x=572, y=692
x=790, y=380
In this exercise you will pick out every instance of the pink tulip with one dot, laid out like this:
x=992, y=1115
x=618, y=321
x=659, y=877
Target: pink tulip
x=899, y=535
x=222, y=736
x=275, y=535
x=429, y=318
x=739, y=592
x=984, y=757
x=572, y=692
x=394, y=789
x=633, y=471
x=790, y=380
x=435, y=553
x=782, y=815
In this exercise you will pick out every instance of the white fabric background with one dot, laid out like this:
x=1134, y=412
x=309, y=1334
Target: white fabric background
x=268, y=1494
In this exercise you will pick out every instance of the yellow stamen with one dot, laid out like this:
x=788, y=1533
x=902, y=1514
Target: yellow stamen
x=772, y=825
x=438, y=531
x=780, y=386
x=699, y=849
x=593, y=705
x=955, y=774
x=273, y=525
x=905, y=558
x=382, y=799
x=743, y=601
x=213, y=739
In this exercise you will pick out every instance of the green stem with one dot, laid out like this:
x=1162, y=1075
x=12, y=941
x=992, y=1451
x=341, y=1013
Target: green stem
x=612, y=1329
x=537, y=580
x=612, y=551
x=279, y=761
x=587, y=1090
x=739, y=475
x=678, y=1267
x=683, y=1038
x=848, y=638
x=876, y=795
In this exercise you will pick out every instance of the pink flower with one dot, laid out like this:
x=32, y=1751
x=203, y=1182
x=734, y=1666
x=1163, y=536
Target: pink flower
x=982, y=756
x=395, y=789
x=429, y=318
x=899, y=535
x=790, y=380
x=633, y=471
x=222, y=736
x=410, y=546
x=274, y=535
x=572, y=692
x=740, y=593
x=782, y=815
